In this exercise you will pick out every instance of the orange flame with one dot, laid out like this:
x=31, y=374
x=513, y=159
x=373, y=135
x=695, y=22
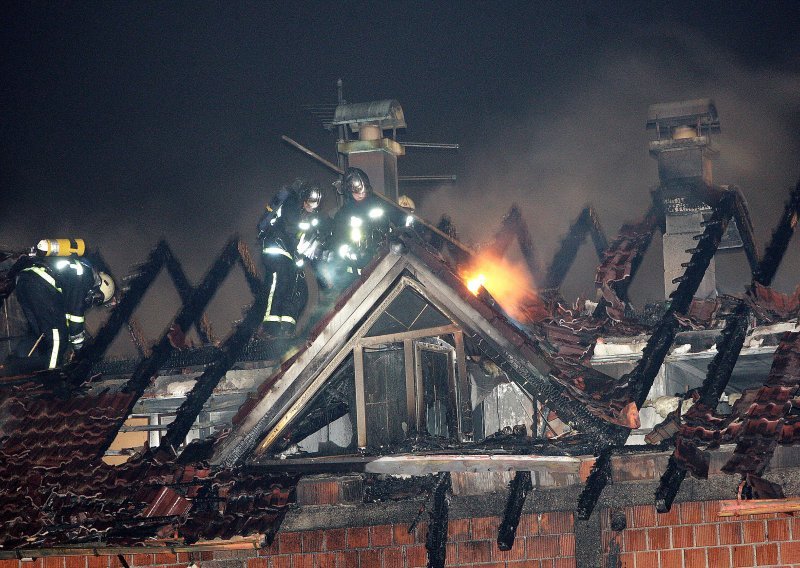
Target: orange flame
x=510, y=284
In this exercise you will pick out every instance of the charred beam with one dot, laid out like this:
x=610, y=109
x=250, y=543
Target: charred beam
x=190, y=311
x=96, y=347
x=520, y=487
x=586, y=222
x=514, y=225
x=207, y=382
x=597, y=481
x=668, y=487
x=745, y=225
x=733, y=335
x=780, y=240
x=642, y=376
x=436, y=541
x=184, y=288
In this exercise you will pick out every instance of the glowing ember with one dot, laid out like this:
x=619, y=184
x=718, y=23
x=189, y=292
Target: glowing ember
x=508, y=283
x=474, y=284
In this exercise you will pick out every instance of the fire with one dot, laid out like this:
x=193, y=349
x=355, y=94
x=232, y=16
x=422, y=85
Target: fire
x=510, y=284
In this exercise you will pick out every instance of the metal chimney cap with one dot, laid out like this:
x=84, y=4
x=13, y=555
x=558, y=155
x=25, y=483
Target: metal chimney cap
x=684, y=113
x=387, y=114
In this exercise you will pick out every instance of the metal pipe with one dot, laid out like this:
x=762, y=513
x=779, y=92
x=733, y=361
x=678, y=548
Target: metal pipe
x=435, y=145
x=426, y=178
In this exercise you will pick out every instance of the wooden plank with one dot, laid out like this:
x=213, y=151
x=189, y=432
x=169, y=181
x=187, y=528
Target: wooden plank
x=361, y=418
x=424, y=465
x=736, y=508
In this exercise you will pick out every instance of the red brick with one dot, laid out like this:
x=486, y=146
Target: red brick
x=566, y=544
x=691, y=513
x=357, y=537
x=458, y=529
x=743, y=555
x=420, y=534
x=281, y=561
x=517, y=551
x=730, y=533
x=380, y=535
x=670, y=518
x=205, y=555
x=634, y=540
x=754, y=531
x=790, y=552
x=485, y=528
x=347, y=558
x=289, y=543
x=777, y=529
x=682, y=537
x=138, y=560
x=303, y=561
x=335, y=539
x=766, y=554
x=9, y=563
x=474, y=551
x=658, y=538
x=80, y=562
x=416, y=556
x=401, y=536
x=710, y=511
x=627, y=560
x=671, y=558
x=96, y=562
x=555, y=523
x=324, y=560
x=695, y=558
x=706, y=535
x=53, y=562
x=528, y=525
x=183, y=558
x=565, y=563
x=166, y=558
x=794, y=526
x=369, y=558
x=541, y=546
x=31, y=563
x=647, y=560
x=257, y=563
x=719, y=557
x=393, y=557
x=313, y=541
x=640, y=516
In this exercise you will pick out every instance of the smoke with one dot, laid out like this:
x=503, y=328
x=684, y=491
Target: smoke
x=592, y=148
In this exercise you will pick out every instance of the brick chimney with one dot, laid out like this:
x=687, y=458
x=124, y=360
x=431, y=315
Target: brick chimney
x=684, y=152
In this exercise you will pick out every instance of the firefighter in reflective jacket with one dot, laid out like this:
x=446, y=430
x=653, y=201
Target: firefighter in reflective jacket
x=361, y=223
x=281, y=238
x=54, y=294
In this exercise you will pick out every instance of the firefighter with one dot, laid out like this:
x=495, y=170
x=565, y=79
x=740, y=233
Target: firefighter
x=286, y=238
x=54, y=294
x=361, y=223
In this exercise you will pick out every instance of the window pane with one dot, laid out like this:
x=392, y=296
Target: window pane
x=435, y=367
x=385, y=395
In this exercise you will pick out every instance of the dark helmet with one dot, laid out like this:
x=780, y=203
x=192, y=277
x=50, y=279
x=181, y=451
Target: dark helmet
x=312, y=194
x=355, y=181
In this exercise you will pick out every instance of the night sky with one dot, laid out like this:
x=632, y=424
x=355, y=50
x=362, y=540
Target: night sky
x=123, y=122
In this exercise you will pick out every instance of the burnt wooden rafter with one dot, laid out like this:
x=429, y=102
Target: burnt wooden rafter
x=642, y=376
x=518, y=491
x=513, y=225
x=586, y=222
x=733, y=336
x=189, y=313
x=436, y=541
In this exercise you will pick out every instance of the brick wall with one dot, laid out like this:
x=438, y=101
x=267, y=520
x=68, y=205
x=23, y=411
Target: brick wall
x=692, y=535
x=544, y=540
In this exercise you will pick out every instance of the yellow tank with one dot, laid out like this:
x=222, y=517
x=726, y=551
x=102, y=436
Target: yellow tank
x=61, y=247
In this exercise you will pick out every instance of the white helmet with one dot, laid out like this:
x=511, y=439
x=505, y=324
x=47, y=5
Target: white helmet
x=105, y=287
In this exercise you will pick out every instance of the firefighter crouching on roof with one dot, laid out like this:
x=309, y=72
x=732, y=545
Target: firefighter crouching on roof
x=361, y=223
x=281, y=235
x=54, y=293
